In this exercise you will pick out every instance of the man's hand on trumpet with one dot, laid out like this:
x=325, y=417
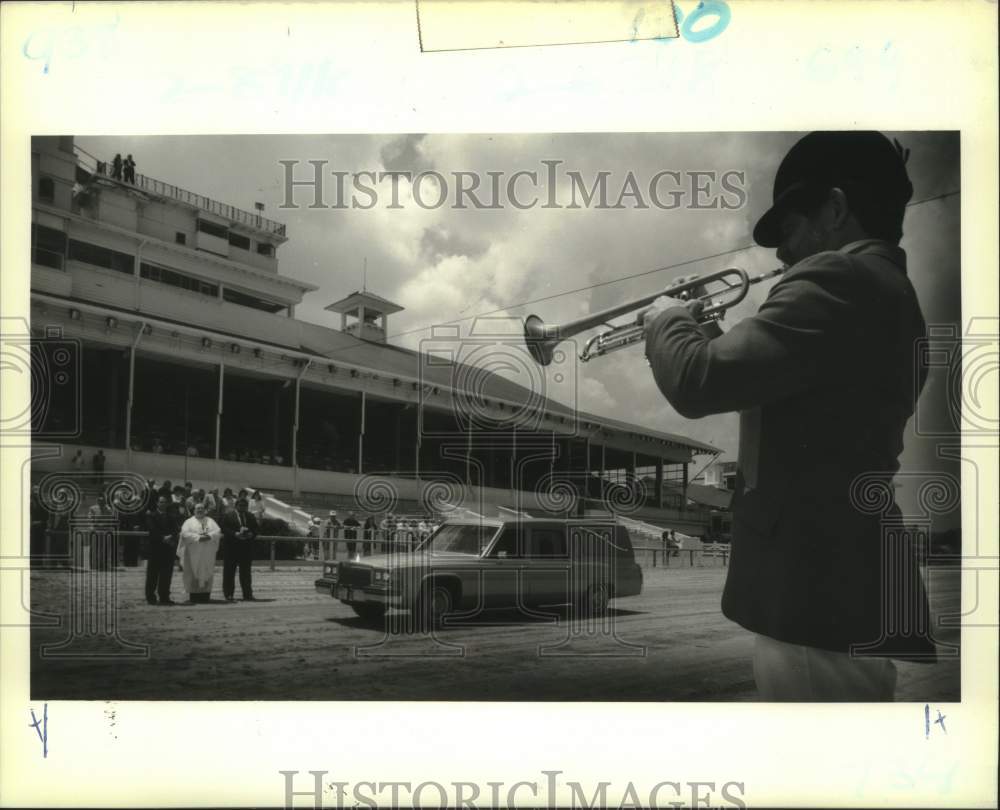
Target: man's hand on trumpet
x=695, y=303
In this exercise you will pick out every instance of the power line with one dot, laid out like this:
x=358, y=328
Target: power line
x=935, y=197
x=620, y=279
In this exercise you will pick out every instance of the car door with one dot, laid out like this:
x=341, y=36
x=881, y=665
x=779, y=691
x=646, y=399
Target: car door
x=503, y=569
x=546, y=565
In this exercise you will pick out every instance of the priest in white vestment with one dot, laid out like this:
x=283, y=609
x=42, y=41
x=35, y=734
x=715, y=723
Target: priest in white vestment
x=196, y=550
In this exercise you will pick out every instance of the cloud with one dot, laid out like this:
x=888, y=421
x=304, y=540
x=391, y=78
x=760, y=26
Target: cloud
x=405, y=154
x=440, y=242
x=596, y=395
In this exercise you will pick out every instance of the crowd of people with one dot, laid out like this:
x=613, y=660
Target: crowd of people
x=187, y=529
x=194, y=446
x=391, y=531
x=193, y=538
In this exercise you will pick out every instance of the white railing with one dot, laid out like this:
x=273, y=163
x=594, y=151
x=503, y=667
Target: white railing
x=154, y=186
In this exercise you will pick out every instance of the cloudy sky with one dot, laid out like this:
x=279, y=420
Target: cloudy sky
x=446, y=265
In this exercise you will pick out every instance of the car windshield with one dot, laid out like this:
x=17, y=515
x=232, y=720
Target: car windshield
x=460, y=539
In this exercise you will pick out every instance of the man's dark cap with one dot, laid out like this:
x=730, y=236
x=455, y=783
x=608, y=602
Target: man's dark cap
x=866, y=162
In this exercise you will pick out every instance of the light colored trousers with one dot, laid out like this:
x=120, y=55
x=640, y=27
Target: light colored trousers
x=807, y=674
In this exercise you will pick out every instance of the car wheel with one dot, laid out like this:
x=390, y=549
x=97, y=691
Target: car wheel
x=370, y=613
x=434, y=603
x=595, y=600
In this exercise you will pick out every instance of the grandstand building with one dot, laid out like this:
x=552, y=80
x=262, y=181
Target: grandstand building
x=192, y=366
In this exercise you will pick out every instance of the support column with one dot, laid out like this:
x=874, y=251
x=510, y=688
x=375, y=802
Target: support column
x=218, y=409
x=468, y=456
x=512, y=467
x=684, y=486
x=187, y=423
x=274, y=420
x=361, y=436
x=113, y=400
x=397, y=431
x=295, y=428
x=417, y=443
x=659, y=483
x=131, y=395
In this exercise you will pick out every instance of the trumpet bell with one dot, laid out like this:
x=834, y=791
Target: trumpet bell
x=540, y=346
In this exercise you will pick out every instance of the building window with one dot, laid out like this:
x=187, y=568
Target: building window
x=46, y=189
x=48, y=246
x=239, y=241
x=101, y=257
x=244, y=300
x=212, y=229
x=164, y=275
x=265, y=249
x=180, y=238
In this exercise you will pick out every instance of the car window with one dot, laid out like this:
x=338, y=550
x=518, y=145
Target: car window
x=547, y=543
x=461, y=539
x=510, y=544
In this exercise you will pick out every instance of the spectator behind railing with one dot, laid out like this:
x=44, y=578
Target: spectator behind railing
x=351, y=526
x=370, y=532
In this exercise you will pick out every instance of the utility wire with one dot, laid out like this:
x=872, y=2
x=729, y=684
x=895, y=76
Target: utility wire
x=594, y=286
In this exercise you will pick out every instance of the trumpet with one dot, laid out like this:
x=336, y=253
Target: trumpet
x=542, y=338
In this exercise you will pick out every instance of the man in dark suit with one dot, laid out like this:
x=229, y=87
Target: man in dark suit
x=239, y=530
x=824, y=379
x=351, y=526
x=162, y=525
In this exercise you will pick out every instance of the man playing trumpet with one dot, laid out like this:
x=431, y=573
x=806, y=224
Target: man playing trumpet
x=825, y=380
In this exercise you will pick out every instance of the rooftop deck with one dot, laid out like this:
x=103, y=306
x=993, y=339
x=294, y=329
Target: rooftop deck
x=162, y=189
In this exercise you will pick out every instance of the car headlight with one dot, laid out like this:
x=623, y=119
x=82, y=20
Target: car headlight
x=330, y=571
x=381, y=577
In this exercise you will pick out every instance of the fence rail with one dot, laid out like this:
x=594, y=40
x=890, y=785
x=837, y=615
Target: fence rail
x=382, y=541
x=693, y=556
x=230, y=212
x=328, y=546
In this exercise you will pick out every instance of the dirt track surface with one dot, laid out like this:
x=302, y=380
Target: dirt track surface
x=669, y=644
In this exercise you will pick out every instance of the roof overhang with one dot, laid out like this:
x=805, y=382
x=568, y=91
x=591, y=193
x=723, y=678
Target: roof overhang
x=363, y=299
